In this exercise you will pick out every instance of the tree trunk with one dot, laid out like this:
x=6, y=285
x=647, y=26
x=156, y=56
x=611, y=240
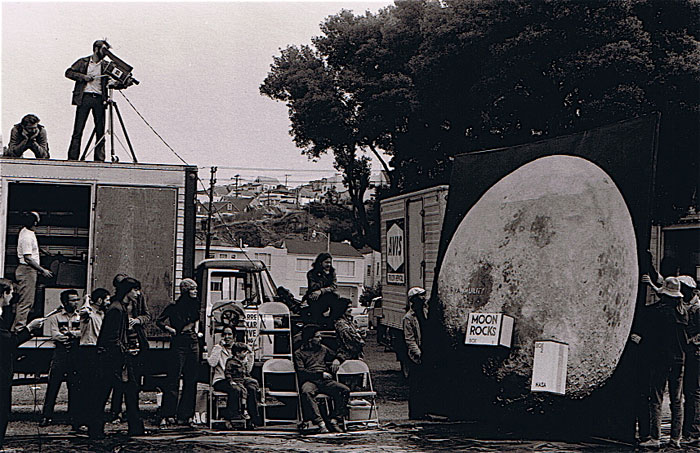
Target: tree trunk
x=384, y=164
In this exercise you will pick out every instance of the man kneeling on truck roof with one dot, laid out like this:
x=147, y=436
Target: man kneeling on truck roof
x=28, y=134
x=311, y=361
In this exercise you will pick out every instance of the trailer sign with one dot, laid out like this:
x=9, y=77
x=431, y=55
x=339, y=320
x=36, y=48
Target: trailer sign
x=395, y=257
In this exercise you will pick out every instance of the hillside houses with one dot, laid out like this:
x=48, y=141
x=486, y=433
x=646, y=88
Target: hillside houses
x=267, y=192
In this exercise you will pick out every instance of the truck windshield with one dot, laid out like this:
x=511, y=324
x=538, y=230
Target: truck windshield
x=229, y=286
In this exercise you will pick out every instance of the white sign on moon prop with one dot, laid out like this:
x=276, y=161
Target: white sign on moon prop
x=489, y=329
x=549, y=367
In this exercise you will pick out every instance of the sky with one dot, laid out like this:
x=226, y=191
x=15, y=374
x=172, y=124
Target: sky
x=200, y=66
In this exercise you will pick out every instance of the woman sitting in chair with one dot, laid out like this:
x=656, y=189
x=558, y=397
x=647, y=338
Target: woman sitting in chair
x=217, y=360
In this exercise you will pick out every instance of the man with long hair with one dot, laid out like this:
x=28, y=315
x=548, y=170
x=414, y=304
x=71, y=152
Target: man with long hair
x=116, y=353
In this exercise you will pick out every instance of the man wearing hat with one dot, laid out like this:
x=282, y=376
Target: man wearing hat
x=181, y=320
x=413, y=322
x=691, y=373
x=28, y=269
x=311, y=361
x=666, y=348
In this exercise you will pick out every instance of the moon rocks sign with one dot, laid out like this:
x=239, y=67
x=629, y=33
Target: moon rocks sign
x=548, y=234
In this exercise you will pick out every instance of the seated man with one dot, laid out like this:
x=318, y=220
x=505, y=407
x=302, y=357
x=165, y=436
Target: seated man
x=350, y=342
x=28, y=134
x=311, y=361
x=241, y=385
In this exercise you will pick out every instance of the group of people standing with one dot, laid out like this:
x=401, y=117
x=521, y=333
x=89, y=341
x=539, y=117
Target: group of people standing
x=668, y=335
x=100, y=349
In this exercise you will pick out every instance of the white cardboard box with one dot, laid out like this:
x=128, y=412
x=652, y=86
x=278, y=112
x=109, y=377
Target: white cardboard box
x=549, y=367
x=489, y=329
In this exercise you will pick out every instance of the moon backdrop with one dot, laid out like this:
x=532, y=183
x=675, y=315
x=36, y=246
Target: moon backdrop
x=551, y=244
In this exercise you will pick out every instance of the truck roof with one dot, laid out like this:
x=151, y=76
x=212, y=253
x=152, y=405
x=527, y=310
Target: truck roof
x=416, y=193
x=244, y=265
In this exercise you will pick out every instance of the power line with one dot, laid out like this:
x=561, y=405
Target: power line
x=275, y=169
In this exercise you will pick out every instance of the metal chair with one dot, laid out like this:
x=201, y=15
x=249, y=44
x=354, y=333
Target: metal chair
x=275, y=322
x=356, y=375
x=280, y=382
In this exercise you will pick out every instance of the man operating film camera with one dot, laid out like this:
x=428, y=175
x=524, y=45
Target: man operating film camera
x=94, y=76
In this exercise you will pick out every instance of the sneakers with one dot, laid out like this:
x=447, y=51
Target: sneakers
x=674, y=443
x=166, y=422
x=322, y=429
x=334, y=426
x=45, y=422
x=271, y=401
x=689, y=440
x=651, y=443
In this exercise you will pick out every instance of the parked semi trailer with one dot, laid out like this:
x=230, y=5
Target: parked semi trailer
x=98, y=220
x=410, y=236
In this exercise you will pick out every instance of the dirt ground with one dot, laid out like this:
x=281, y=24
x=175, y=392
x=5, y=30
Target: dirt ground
x=396, y=433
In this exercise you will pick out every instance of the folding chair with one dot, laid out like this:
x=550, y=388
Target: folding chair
x=355, y=374
x=279, y=381
x=275, y=324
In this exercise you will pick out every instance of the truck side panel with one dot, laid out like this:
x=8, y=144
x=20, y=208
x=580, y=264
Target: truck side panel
x=393, y=296
x=434, y=201
x=137, y=238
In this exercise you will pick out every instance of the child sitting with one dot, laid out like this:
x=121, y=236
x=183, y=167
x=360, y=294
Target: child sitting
x=237, y=373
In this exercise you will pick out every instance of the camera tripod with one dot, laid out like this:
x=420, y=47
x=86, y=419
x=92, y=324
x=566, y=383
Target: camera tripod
x=113, y=107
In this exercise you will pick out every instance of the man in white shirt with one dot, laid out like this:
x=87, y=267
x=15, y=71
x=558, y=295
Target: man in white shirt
x=89, y=95
x=64, y=329
x=27, y=270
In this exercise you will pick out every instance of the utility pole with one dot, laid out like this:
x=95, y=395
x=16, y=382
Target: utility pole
x=237, y=185
x=212, y=181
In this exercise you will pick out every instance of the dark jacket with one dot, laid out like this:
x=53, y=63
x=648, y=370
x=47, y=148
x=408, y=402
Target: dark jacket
x=113, y=334
x=694, y=328
x=312, y=363
x=8, y=343
x=182, y=316
x=139, y=310
x=78, y=72
x=19, y=143
x=667, y=339
x=317, y=279
x=350, y=342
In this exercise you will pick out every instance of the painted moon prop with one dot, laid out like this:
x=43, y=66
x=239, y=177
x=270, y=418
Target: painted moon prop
x=552, y=245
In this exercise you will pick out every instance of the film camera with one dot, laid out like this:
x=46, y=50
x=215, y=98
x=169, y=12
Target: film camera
x=119, y=70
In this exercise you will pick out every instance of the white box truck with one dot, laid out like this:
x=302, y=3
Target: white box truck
x=97, y=220
x=410, y=236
